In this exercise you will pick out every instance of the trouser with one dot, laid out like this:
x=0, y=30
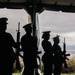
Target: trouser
x=48, y=69
x=57, y=68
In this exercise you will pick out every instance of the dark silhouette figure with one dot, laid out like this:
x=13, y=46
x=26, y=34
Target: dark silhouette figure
x=29, y=48
x=6, y=49
x=47, y=57
x=58, y=56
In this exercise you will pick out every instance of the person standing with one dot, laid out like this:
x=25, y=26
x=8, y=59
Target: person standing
x=47, y=57
x=58, y=56
x=29, y=47
x=6, y=48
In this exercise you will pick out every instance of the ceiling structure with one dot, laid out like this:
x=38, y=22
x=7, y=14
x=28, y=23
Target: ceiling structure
x=34, y=6
x=54, y=5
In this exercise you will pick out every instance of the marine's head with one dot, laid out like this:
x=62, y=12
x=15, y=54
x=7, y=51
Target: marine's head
x=56, y=39
x=3, y=20
x=46, y=35
x=3, y=24
x=28, y=28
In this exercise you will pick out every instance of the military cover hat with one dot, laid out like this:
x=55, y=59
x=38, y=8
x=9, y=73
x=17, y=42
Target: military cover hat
x=56, y=37
x=3, y=20
x=27, y=26
x=46, y=32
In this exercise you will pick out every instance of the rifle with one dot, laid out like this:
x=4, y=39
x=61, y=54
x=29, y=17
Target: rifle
x=18, y=47
x=65, y=55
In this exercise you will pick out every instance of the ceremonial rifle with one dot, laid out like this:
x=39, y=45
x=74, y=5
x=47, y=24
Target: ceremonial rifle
x=65, y=55
x=18, y=48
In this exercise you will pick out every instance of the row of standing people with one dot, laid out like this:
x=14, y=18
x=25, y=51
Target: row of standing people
x=53, y=55
x=7, y=55
x=29, y=47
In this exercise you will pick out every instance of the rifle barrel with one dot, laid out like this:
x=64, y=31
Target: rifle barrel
x=18, y=43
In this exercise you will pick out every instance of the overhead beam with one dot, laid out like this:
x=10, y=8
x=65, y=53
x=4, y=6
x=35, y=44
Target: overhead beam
x=52, y=7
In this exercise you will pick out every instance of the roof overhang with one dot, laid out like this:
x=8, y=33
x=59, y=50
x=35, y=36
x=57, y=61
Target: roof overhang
x=54, y=5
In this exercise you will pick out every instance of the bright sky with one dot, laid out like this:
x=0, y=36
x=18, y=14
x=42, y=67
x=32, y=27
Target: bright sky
x=60, y=23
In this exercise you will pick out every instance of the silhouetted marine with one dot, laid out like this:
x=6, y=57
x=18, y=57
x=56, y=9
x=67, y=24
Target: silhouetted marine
x=6, y=49
x=47, y=57
x=29, y=48
x=57, y=55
